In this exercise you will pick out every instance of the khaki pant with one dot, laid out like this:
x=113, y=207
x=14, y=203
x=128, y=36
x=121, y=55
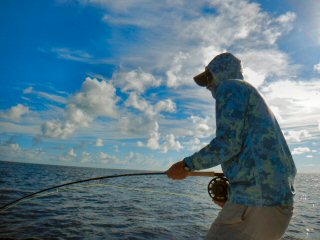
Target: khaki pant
x=239, y=222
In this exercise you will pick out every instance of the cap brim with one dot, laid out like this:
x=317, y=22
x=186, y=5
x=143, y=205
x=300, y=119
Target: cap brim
x=201, y=79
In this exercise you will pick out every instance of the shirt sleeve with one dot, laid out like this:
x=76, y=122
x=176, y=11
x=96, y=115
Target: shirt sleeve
x=231, y=102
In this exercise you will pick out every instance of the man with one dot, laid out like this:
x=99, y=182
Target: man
x=253, y=154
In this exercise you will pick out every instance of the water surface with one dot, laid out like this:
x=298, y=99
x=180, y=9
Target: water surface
x=144, y=207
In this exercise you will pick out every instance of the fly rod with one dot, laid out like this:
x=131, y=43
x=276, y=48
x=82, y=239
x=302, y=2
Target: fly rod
x=198, y=174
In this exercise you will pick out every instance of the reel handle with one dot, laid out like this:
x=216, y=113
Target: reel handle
x=217, y=187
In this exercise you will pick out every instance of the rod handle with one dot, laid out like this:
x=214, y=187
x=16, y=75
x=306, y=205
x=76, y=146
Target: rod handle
x=204, y=174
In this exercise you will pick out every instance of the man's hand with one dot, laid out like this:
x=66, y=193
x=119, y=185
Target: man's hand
x=177, y=171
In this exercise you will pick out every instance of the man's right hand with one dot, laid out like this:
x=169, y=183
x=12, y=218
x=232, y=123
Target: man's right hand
x=177, y=171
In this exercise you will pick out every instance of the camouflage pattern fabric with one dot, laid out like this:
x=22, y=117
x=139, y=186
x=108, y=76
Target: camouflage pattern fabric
x=249, y=143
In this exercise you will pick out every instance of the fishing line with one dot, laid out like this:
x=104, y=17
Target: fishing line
x=15, y=202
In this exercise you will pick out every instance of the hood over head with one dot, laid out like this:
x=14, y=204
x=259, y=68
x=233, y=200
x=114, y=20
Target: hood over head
x=222, y=67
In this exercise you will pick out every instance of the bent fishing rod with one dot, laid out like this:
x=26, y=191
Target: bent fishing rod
x=216, y=188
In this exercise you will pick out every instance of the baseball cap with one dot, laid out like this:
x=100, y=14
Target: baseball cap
x=203, y=78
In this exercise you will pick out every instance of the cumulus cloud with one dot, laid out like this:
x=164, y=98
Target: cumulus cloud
x=14, y=152
x=176, y=73
x=165, y=106
x=153, y=141
x=99, y=142
x=170, y=143
x=148, y=109
x=135, y=80
x=255, y=78
x=103, y=155
x=85, y=157
x=156, y=142
x=72, y=153
x=135, y=125
x=96, y=98
x=316, y=68
x=77, y=117
x=260, y=63
x=15, y=146
x=109, y=159
x=147, y=123
x=296, y=135
x=58, y=129
x=300, y=150
x=286, y=18
x=203, y=127
x=15, y=113
x=140, y=104
x=194, y=144
x=146, y=162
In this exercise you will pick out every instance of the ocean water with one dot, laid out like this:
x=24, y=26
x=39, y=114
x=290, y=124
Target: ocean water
x=141, y=207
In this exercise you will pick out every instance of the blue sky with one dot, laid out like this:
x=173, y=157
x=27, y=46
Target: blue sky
x=109, y=83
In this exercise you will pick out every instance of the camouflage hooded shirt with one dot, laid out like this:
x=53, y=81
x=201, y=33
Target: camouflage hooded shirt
x=249, y=143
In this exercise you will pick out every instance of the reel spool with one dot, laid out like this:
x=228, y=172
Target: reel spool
x=218, y=188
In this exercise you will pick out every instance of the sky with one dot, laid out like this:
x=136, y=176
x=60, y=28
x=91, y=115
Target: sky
x=108, y=84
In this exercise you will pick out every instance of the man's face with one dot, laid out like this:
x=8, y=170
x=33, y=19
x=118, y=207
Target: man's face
x=210, y=85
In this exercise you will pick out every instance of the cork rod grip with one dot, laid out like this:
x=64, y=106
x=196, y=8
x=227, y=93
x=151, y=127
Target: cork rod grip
x=204, y=174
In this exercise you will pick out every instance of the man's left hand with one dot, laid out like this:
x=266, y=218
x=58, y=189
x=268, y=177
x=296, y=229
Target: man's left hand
x=177, y=171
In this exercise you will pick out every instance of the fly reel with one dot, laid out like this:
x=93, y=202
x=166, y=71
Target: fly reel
x=218, y=188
